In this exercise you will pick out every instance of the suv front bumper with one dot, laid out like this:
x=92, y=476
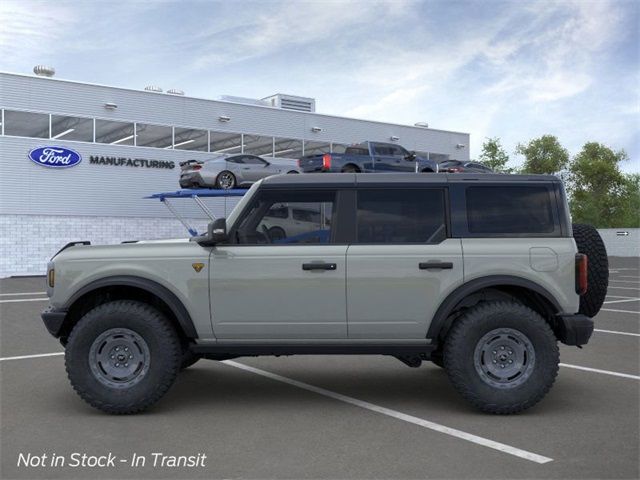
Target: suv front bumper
x=54, y=320
x=574, y=329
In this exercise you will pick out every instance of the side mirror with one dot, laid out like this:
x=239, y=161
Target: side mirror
x=411, y=156
x=216, y=233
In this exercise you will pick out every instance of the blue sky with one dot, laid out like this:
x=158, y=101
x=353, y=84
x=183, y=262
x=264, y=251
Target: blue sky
x=515, y=70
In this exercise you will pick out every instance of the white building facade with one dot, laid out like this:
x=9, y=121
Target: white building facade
x=128, y=144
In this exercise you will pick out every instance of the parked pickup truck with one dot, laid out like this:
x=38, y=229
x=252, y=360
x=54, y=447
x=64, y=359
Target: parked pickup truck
x=368, y=157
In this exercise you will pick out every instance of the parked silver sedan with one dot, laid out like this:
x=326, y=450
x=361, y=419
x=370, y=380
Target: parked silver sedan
x=230, y=171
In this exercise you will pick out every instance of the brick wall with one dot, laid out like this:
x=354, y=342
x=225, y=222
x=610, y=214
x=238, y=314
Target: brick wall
x=27, y=242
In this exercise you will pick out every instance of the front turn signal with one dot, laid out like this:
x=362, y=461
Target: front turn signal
x=51, y=277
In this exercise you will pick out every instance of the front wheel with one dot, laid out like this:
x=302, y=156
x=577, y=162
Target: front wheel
x=122, y=356
x=225, y=180
x=502, y=357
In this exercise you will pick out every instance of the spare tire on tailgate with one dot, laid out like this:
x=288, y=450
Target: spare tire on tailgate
x=590, y=243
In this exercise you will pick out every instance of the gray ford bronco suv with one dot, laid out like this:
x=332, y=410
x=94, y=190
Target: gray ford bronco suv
x=481, y=274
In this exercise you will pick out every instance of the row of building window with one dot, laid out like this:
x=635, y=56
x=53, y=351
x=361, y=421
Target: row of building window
x=95, y=130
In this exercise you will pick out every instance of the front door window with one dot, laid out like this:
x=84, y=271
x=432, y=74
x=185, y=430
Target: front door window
x=288, y=218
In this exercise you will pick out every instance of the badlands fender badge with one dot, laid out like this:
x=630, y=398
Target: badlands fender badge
x=197, y=266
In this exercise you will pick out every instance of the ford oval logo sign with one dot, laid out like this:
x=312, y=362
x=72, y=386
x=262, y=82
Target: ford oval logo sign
x=55, y=157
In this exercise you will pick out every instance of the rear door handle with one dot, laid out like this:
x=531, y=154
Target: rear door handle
x=435, y=265
x=319, y=266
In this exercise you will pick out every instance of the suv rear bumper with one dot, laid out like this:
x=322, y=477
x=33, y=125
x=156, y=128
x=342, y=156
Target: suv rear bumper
x=574, y=329
x=54, y=320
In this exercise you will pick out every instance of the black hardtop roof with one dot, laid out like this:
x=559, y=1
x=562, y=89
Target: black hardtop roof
x=390, y=179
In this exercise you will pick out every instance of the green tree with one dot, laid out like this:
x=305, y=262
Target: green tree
x=630, y=217
x=601, y=194
x=543, y=155
x=494, y=156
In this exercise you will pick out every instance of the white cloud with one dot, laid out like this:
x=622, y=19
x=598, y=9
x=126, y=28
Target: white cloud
x=268, y=27
x=509, y=69
x=30, y=29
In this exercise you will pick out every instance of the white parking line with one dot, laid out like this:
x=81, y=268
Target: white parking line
x=597, y=370
x=617, y=296
x=17, y=300
x=393, y=413
x=620, y=301
x=21, y=293
x=624, y=288
x=616, y=332
x=619, y=311
x=624, y=281
x=635, y=277
x=24, y=357
x=485, y=442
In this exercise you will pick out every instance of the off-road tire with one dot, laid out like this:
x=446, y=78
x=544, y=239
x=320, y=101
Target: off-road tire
x=437, y=358
x=590, y=243
x=165, y=356
x=468, y=331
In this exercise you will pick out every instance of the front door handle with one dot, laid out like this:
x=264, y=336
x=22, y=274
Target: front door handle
x=319, y=266
x=435, y=265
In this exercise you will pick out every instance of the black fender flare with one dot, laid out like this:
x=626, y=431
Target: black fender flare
x=154, y=288
x=466, y=289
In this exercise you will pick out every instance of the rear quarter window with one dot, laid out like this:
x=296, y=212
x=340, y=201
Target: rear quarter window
x=507, y=210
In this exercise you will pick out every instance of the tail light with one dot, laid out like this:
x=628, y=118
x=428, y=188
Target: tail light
x=326, y=161
x=582, y=281
x=454, y=170
x=299, y=163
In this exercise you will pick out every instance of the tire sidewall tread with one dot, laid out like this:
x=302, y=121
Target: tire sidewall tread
x=461, y=342
x=589, y=242
x=162, y=341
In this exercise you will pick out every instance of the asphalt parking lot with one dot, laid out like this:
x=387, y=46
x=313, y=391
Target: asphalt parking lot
x=326, y=417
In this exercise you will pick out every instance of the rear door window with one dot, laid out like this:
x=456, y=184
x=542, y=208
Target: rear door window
x=401, y=216
x=509, y=210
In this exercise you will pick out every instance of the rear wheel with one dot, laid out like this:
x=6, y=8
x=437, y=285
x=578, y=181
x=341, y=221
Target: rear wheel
x=501, y=356
x=292, y=172
x=437, y=358
x=122, y=356
x=350, y=169
x=276, y=233
x=225, y=180
x=590, y=243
